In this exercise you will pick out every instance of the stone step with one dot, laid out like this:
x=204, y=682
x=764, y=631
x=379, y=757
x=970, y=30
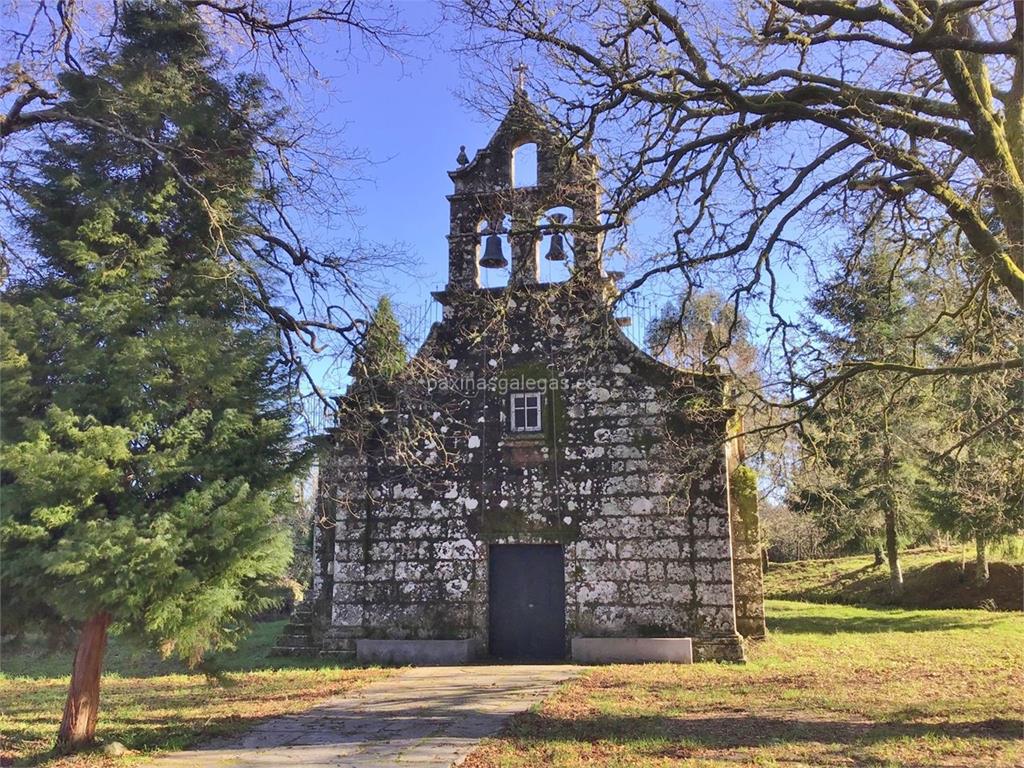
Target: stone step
x=342, y=631
x=295, y=642
x=340, y=644
x=309, y=651
x=294, y=650
x=296, y=639
x=338, y=655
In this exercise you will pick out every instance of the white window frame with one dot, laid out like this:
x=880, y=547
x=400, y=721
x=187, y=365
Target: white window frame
x=524, y=402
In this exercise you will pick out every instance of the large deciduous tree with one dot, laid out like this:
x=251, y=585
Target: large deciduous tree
x=770, y=128
x=703, y=328
x=147, y=442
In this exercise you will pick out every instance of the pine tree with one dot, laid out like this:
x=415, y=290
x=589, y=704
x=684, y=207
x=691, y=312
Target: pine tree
x=862, y=440
x=976, y=455
x=147, y=446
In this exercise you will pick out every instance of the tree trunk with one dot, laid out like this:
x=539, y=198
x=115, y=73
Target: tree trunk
x=78, y=726
x=890, y=501
x=893, y=553
x=981, y=560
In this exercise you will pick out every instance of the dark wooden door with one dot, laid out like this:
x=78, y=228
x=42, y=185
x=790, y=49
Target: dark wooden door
x=527, y=601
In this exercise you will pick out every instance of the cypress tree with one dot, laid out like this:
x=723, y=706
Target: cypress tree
x=382, y=355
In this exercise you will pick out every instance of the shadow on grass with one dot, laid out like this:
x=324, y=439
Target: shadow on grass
x=460, y=712
x=741, y=730
x=128, y=658
x=164, y=718
x=878, y=620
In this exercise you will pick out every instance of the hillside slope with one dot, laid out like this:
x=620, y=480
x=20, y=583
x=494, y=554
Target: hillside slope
x=932, y=579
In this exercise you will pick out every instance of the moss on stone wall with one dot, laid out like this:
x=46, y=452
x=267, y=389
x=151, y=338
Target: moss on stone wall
x=554, y=422
x=744, y=494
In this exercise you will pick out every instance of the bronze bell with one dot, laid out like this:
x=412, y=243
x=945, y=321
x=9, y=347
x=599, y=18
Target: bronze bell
x=493, y=258
x=556, y=252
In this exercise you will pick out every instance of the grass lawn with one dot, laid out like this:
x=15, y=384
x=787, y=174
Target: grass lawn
x=932, y=579
x=832, y=686
x=149, y=704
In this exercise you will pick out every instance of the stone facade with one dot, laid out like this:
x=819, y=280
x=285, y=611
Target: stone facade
x=629, y=472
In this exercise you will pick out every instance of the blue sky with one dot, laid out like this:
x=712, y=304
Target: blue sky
x=403, y=115
x=406, y=115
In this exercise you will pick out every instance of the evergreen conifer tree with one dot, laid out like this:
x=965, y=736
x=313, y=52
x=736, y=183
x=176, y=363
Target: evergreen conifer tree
x=147, y=446
x=976, y=454
x=863, y=439
x=382, y=355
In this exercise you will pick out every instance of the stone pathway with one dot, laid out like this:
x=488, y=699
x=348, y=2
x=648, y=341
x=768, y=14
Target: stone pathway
x=424, y=717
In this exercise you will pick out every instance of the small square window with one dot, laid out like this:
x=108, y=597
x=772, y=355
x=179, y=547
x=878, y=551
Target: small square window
x=524, y=408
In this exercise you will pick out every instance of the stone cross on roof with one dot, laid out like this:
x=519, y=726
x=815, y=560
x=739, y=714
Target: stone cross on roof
x=521, y=71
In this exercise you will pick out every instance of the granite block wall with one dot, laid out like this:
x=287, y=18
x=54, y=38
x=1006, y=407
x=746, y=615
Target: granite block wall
x=629, y=475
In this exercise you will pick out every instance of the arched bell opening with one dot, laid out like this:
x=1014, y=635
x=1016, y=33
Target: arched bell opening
x=523, y=170
x=494, y=252
x=556, y=245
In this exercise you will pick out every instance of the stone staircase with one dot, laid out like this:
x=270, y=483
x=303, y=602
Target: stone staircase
x=297, y=637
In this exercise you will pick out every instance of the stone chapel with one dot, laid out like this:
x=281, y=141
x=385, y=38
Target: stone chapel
x=533, y=486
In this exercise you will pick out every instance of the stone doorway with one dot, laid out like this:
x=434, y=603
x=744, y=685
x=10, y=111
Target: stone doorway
x=527, y=602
